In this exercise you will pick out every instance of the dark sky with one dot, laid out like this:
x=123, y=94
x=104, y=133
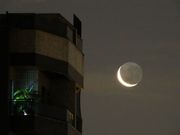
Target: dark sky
x=116, y=31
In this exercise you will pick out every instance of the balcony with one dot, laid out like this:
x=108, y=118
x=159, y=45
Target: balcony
x=28, y=116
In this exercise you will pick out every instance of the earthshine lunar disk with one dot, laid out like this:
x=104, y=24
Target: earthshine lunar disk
x=129, y=74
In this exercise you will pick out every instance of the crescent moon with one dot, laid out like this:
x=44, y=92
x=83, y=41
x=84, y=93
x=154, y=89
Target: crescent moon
x=120, y=79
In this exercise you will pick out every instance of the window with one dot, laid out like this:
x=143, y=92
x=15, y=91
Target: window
x=24, y=89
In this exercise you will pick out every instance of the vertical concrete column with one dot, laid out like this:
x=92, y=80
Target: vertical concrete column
x=4, y=80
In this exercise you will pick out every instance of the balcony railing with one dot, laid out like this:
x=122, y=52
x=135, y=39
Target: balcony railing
x=22, y=107
x=34, y=108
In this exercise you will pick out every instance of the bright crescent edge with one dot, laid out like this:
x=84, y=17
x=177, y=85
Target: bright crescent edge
x=122, y=81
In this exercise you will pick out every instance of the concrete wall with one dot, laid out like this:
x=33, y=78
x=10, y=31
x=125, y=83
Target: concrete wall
x=59, y=48
x=63, y=94
x=47, y=44
x=75, y=58
x=51, y=45
x=22, y=41
x=58, y=91
x=44, y=88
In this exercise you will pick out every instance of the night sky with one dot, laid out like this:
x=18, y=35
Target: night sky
x=114, y=32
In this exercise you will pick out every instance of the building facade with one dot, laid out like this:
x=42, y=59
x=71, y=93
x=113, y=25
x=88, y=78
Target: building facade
x=44, y=68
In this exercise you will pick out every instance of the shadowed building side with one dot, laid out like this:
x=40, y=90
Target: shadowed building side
x=45, y=74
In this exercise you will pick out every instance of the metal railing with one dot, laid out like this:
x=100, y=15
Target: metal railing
x=22, y=107
x=33, y=108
